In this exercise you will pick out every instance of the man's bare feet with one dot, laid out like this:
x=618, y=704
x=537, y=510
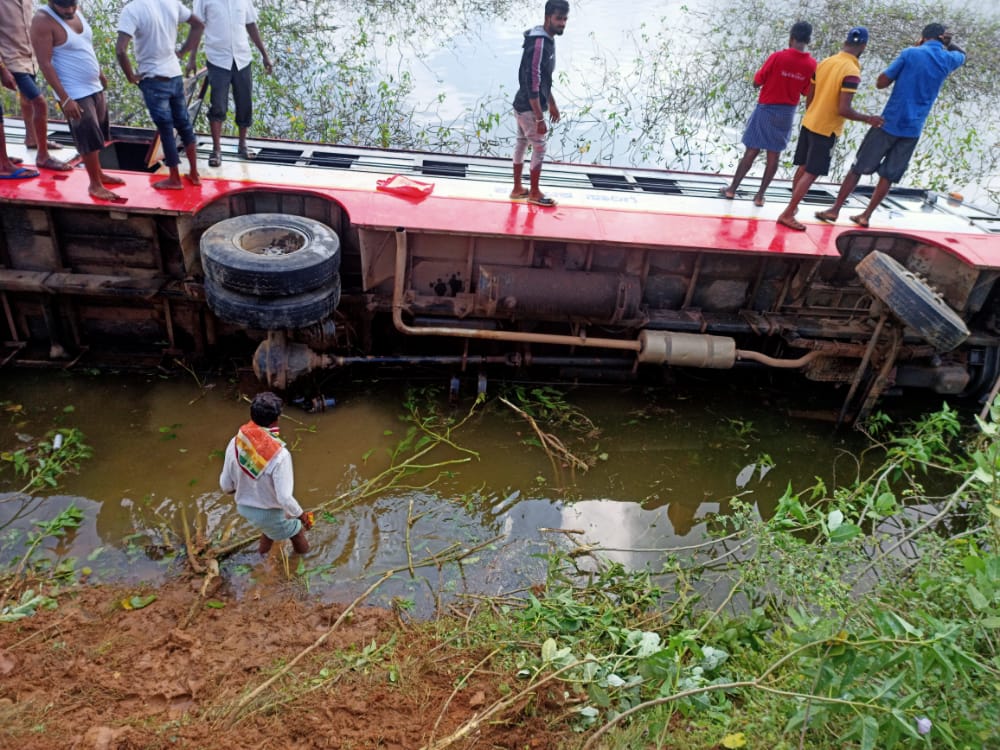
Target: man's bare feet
x=110, y=179
x=759, y=201
x=727, y=193
x=828, y=215
x=169, y=184
x=103, y=194
x=193, y=178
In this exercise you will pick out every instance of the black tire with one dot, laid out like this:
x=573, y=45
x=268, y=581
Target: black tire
x=912, y=301
x=273, y=313
x=270, y=255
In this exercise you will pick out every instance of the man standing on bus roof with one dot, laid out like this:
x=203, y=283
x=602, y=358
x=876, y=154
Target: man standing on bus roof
x=64, y=45
x=918, y=73
x=229, y=27
x=828, y=106
x=153, y=25
x=783, y=79
x=534, y=96
x=16, y=52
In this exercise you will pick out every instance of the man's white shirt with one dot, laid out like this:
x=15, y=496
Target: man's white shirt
x=226, y=40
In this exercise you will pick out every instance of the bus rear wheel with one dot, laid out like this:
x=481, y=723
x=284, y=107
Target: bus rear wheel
x=270, y=255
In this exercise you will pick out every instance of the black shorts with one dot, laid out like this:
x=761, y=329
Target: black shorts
x=813, y=151
x=91, y=131
x=888, y=154
x=241, y=82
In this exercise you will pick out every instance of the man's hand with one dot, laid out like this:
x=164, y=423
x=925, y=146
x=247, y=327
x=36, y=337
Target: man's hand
x=7, y=78
x=104, y=81
x=553, y=112
x=268, y=68
x=191, y=68
x=946, y=39
x=72, y=110
x=876, y=121
x=308, y=520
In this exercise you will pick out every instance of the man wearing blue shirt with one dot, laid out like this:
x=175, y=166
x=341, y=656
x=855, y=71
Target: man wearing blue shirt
x=916, y=76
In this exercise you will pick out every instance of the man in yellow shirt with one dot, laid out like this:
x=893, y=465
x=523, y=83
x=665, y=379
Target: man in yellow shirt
x=828, y=105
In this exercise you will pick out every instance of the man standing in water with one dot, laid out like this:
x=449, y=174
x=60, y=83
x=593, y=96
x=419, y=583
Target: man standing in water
x=64, y=46
x=258, y=468
x=918, y=74
x=153, y=25
x=834, y=86
x=783, y=79
x=534, y=97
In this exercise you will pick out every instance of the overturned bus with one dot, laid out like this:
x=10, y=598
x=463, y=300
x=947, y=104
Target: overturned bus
x=314, y=256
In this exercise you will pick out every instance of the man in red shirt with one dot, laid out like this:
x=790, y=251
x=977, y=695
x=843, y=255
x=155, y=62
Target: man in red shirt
x=783, y=79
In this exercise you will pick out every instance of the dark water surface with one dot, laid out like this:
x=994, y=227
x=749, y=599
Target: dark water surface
x=666, y=462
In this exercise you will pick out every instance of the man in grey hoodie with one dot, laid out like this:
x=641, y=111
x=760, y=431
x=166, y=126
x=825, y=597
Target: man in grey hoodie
x=534, y=96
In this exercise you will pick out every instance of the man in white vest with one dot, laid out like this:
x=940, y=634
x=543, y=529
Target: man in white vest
x=64, y=48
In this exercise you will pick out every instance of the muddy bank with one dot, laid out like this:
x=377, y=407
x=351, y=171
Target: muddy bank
x=92, y=675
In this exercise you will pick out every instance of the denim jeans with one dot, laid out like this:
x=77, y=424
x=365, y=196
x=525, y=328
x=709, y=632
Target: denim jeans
x=168, y=108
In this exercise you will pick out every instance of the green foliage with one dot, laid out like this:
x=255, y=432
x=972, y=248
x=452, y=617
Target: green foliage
x=26, y=606
x=861, y=616
x=41, y=464
x=550, y=406
x=42, y=569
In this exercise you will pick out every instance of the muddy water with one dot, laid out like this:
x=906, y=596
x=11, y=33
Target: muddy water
x=666, y=463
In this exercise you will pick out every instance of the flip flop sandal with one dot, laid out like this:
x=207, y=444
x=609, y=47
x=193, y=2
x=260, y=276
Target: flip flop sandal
x=825, y=216
x=544, y=201
x=798, y=226
x=215, y=160
x=863, y=223
x=245, y=153
x=523, y=195
x=21, y=173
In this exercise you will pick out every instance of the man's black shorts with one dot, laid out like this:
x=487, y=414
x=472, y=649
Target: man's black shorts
x=813, y=151
x=887, y=153
x=91, y=131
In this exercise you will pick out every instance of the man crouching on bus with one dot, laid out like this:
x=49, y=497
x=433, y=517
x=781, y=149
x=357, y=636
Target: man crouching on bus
x=64, y=47
x=258, y=468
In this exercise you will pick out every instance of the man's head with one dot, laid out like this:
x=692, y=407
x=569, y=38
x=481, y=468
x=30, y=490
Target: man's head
x=857, y=39
x=933, y=31
x=265, y=409
x=802, y=32
x=556, y=15
x=65, y=9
